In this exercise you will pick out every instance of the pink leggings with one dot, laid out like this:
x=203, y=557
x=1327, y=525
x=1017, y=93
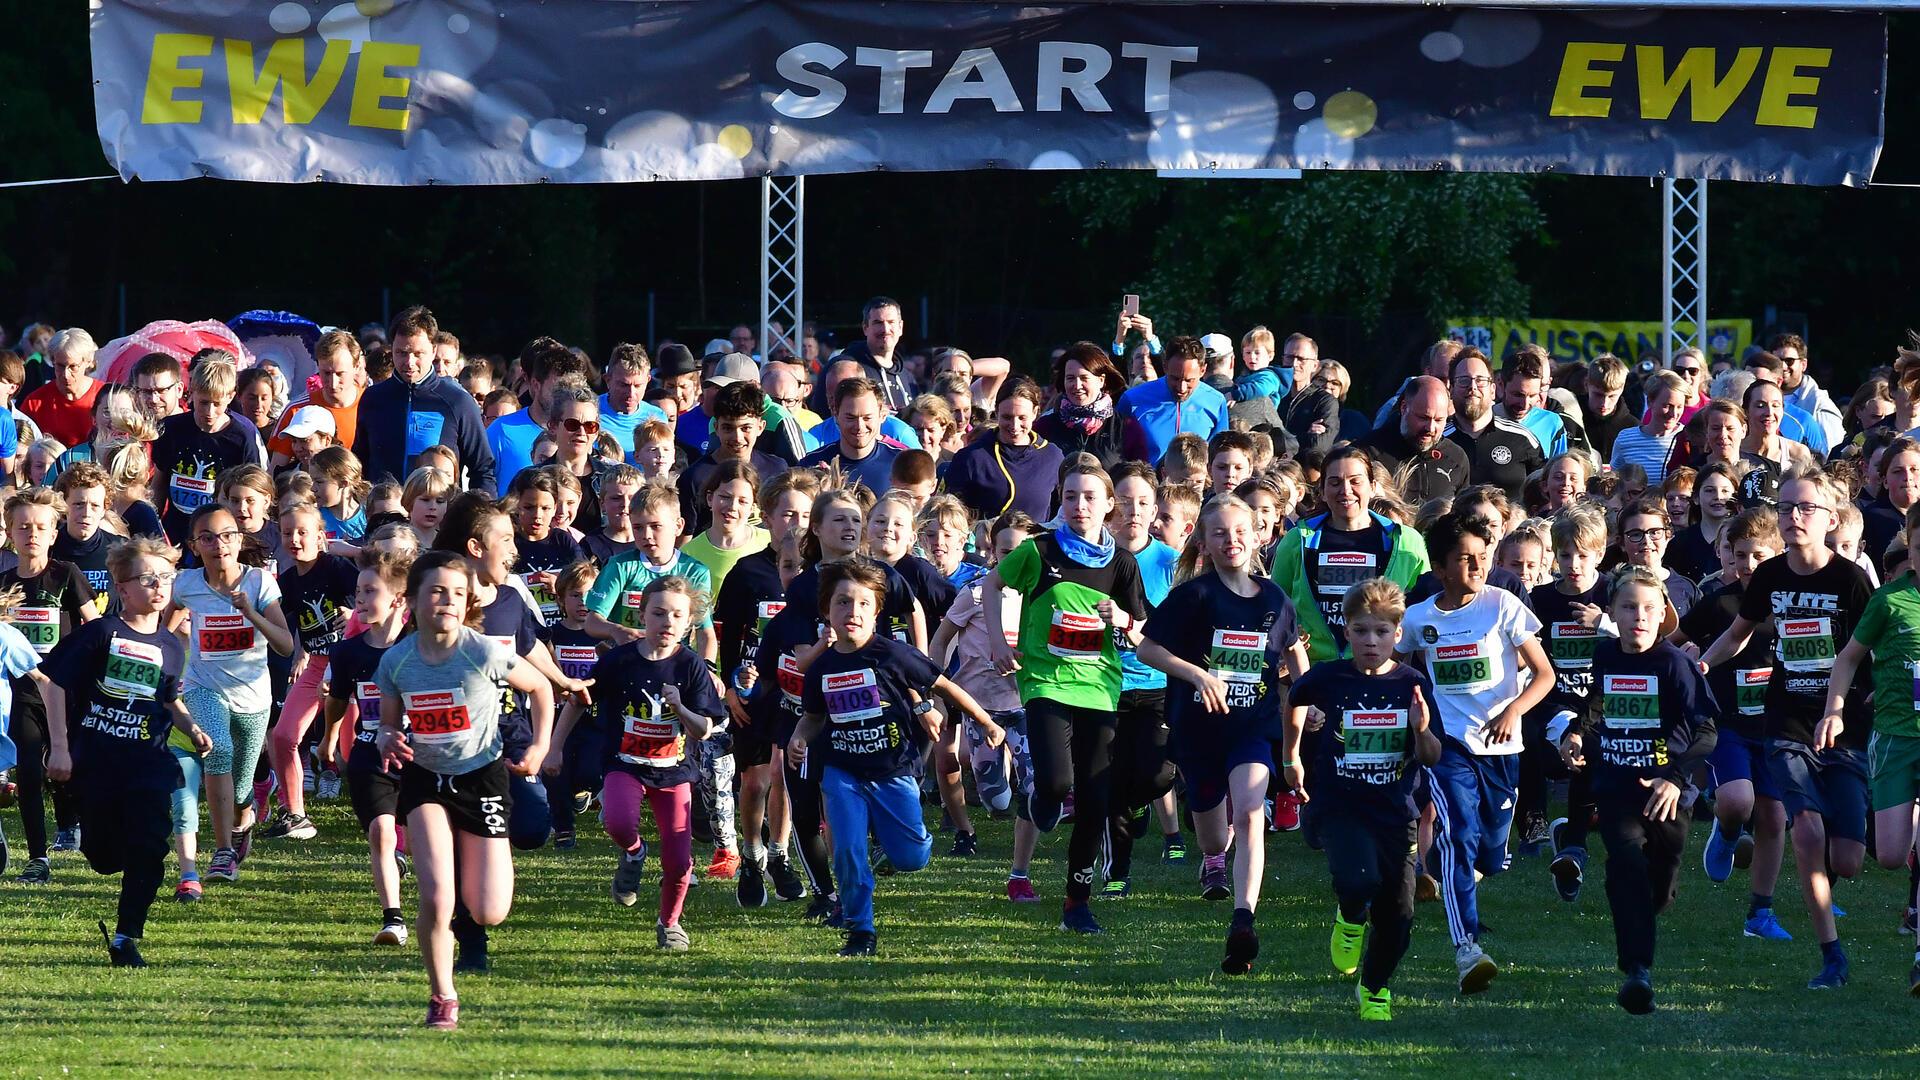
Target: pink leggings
x=673, y=813
x=283, y=743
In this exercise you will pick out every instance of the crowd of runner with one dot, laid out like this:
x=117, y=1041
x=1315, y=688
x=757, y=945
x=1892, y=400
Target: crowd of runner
x=790, y=607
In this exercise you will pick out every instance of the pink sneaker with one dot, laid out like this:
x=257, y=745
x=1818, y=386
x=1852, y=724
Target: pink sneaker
x=1286, y=812
x=1020, y=891
x=443, y=1013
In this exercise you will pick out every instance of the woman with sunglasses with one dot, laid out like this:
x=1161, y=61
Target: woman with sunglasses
x=573, y=420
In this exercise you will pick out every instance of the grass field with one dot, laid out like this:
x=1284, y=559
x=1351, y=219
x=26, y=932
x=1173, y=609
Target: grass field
x=276, y=973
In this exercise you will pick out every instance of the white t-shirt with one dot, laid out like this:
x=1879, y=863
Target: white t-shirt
x=225, y=652
x=1473, y=658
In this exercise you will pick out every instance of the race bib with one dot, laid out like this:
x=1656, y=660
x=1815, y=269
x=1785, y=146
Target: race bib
x=509, y=701
x=632, y=604
x=133, y=670
x=543, y=596
x=1075, y=637
x=792, y=683
x=1460, y=669
x=1750, y=690
x=651, y=736
x=576, y=661
x=39, y=625
x=1374, y=738
x=437, y=716
x=367, y=693
x=1010, y=604
x=1807, y=644
x=1342, y=570
x=763, y=614
x=853, y=697
x=1630, y=702
x=225, y=637
x=1570, y=645
x=1238, y=658
x=189, y=493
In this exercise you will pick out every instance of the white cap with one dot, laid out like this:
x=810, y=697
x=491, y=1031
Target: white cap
x=308, y=419
x=1217, y=345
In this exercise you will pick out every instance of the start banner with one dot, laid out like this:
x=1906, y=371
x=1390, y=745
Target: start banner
x=578, y=91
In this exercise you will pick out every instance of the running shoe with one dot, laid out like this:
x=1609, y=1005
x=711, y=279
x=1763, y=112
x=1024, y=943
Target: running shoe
x=564, y=840
x=1020, y=891
x=67, y=839
x=1079, y=919
x=751, y=892
x=626, y=876
x=1833, y=973
x=965, y=845
x=725, y=865
x=1838, y=911
x=1762, y=924
x=1173, y=851
x=443, y=1013
x=582, y=802
x=837, y=919
x=122, y=951
x=392, y=932
x=860, y=943
x=1426, y=889
x=309, y=779
x=9, y=792
x=671, y=938
x=787, y=885
x=1346, y=943
x=1716, y=858
x=188, y=891
x=1907, y=922
x=1243, y=945
x=328, y=786
x=1286, y=812
x=1477, y=969
x=473, y=959
x=820, y=910
x=1066, y=807
x=1557, y=834
x=1215, y=884
x=1374, y=1004
x=1743, y=851
x=290, y=827
x=36, y=872
x=1636, y=994
x=882, y=866
x=242, y=844
x=1117, y=889
x=404, y=864
x=1569, y=872
x=225, y=866
x=1533, y=834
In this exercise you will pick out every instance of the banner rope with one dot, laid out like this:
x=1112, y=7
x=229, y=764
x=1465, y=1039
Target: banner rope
x=67, y=180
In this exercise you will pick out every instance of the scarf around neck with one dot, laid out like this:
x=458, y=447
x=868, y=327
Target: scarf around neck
x=1086, y=419
x=1085, y=552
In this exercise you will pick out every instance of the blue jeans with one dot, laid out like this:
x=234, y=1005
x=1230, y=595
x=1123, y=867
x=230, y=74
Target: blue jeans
x=1473, y=813
x=891, y=808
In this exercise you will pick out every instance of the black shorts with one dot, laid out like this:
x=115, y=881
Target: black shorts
x=477, y=802
x=752, y=745
x=374, y=792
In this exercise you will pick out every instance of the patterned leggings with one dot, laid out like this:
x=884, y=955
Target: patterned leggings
x=237, y=737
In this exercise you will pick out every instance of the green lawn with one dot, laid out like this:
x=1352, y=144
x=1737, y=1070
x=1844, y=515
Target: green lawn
x=277, y=973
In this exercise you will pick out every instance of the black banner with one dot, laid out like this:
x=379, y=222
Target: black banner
x=571, y=91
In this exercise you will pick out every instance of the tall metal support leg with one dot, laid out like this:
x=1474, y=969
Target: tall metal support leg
x=782, y=253
x=1684, y=281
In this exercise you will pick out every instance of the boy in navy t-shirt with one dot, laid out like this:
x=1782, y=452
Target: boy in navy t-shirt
x=1378, y=714
x=870, y=695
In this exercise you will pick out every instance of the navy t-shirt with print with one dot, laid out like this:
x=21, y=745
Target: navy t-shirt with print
x=318, y=602
x=509, y=621
x=120, y=684
x=648, y=739
x=750, y=597
x=350, y=668
x=1240, y=640
x=866, y=697
x=1364, y=757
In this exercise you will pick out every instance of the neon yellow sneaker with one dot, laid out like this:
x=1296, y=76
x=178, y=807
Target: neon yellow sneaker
x=1345, y=945
x=1375, y=1004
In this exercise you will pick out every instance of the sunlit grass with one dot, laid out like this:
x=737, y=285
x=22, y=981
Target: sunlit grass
x=277, y=973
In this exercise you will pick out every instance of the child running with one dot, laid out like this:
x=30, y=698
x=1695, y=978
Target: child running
x=440, y=692
x=1648, y=723
x=232, y=615
x=112, y=694
x=574, y=771
x=1889, y=630
x=868, y=693
x=1363, y=786
x=1225, y=634
x=1572, y=612
x=653, y=694
x=1475, y=642
x=1813, y=600
x=380, y=601
x=318, y=587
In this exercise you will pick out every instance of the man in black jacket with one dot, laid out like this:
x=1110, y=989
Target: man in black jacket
x=1310, y=413
x=401, y=417
x=882, y=326
x=1428, y=464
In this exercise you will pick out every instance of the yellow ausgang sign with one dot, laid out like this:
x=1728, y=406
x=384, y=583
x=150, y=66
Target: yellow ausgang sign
x=1581, y=339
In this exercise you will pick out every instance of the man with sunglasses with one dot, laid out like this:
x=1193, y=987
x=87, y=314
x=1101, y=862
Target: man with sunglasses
x=1800, y=389
x=545, y=362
